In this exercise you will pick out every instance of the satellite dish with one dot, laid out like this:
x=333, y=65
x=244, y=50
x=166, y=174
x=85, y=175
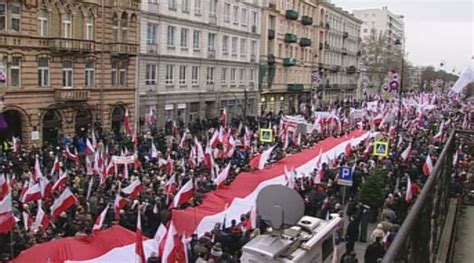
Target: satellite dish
x=280, y=206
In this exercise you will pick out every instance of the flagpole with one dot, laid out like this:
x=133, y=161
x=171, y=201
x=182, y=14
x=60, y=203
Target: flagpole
x=11, y=244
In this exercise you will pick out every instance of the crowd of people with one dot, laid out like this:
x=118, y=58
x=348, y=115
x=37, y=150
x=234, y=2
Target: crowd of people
x=162, y=155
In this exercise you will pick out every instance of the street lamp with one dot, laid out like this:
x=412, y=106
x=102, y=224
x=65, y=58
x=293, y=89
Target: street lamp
x=398, y=42
x=444, y=72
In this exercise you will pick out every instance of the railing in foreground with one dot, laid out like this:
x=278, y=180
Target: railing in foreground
x=420, y=235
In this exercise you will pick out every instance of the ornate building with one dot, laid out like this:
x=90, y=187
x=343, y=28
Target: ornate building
x=67, y=64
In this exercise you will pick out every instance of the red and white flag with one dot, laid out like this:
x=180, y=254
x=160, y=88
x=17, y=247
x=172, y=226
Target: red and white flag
x=154, y=151
x=348, y=150
x=408, y=194
x=37, y=174
x=139, y=252
x=428, y=166
x=126, y=123
x=151, y=119
x=61, y=182
x=133, y=189
x=170, y=186
x=223, y=118
x=439, y=135
x=32, y=193
x=56, y=166
x=63, y=202
x=41, y=219
x=259, y=161
x=90, y=149
x=26, y=221
x=208, y=157
x=99, y=221
x=70, y=156
x=160, y=236
x=184, y=194
x=406, y=153
x=168, y=256
x=220, y=179
x=7, y=220
x=184, y=242
x=119, y=203
x=4, y=186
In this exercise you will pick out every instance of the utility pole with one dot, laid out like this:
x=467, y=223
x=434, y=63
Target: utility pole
x=400, y=90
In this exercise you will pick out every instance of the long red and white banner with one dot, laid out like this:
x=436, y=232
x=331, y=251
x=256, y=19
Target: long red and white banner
x=241, y=195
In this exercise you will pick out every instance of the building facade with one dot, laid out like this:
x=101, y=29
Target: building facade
x=198, y=57
x=66, y=65
x=381, y=21
x=339, y=67
x=292, y=33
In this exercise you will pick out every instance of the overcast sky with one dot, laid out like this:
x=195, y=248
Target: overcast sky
x=436, y=30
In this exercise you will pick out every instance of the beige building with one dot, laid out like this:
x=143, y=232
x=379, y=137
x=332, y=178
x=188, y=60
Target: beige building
x=291, y=49
x=67, y=64
x=339, y=68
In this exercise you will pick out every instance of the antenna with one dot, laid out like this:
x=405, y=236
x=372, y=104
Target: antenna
x=279, y=206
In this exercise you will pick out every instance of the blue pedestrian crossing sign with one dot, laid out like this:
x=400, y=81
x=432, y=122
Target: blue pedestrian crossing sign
x=381, y=149
x=345, y=176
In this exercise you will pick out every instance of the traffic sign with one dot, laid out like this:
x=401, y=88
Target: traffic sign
x=345, y=176
x=381, y=148
x=266, y=135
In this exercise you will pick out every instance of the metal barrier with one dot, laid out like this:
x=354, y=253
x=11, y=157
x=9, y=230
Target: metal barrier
x=419, y=237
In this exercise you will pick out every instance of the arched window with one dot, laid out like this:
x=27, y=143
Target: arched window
x=124, y=25
x=43, y=22
x=115, y=25
x=67, y=25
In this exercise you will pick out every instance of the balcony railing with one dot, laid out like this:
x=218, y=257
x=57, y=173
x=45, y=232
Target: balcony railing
x=271, y=34
x=307, y=20
x=305, y=42
x=124, y=49
x=295, y=87
x=71, y=95
x=351, y=70
x=71, y=45
x=290, y=38
x=288, y=62
x=344, y=51
x=271, y=59
x=291, y=14
x=345, y=34
x=126, y=4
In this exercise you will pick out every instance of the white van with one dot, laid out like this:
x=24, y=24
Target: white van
x=310, y=240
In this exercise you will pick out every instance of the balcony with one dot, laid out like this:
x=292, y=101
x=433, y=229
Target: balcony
x=345, y=34
x=271, y=34
x=271, y=59
x=307, y=20
x=289, y=62
x=71, y=95
x=292, y=14
x=126, y=4
x=344, y=51
x=295, y=87
x=305, y=42
x=351, y=70
x=290, y=38
x=124, y=49
x=71, y=45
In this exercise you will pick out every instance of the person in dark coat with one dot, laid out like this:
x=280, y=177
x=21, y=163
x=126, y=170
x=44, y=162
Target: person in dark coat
x=374, y=251
x=352, y=233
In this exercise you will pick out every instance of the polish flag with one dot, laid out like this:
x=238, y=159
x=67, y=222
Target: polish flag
x=61, y=182
x=298, y=139
x=169, y=245
x=169, y=166
x=438, y=136
x=253, y=217
x=259, y=161
x=32, y=193
x=199, y=151
x=318, y=177
x=154, y=151
x=208, y=158
x=428, y=166
x=41, y=219
x=63, y=202
x=94, y=140
x=160, y=236
x=406, y=153
x=7, y=220
x=220, y=179
x=170, y=186
x=119, y=203
x=151, y=119
x=230, y=147
x=56, y=167
x=4, y=187
x=348, y=150
x=99, y=221
x=71, y=156
x=184, y=242
x=139, y=252
x=126, y=123
x=223, y=118
x=90, y=149
x=408, y=194
x=26, y=221
x=37, y=174
x=133, y=189
x=45, y=186
x=184, y=194
x=183, y=140
x=214, y=141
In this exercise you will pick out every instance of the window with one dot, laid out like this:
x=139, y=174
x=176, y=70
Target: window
x=89, y=28
x=185, y=6
x=15, y=72
x=244, y=17
x=197, y=7
x=43, y=72
x=225, y=44
x=212, y=8
x=195, y=75
x=211, y=44
x=151, y=34
x=42, y=23
x=67, y=27
x=196, y=39
x=254, y=18
x=15, y=17
x=182, y=75
x=150, y=74
x=210, y=76
x=90, y=73
x=234, y=46
x=252, y=76
x=184, y=37
x=169, y=78
x=235, y=15
x=172, y=5
x=124, y=24
x=232, y=76
x=67, y=74
x=3, y=16
x=227, y=12
x=115, y=28
x=253, y=48
x=242, y=76
x=224, y=76
x=243, y=47
x=365, y=30
x=327, y=247
x=171, y=33
x=123, y=73
x=114, y=73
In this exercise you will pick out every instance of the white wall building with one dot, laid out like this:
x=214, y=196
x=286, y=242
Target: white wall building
x=381, y=21
x=197, y=57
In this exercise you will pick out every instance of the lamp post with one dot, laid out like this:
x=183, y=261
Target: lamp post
x=444, y=72
x=400, y=90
